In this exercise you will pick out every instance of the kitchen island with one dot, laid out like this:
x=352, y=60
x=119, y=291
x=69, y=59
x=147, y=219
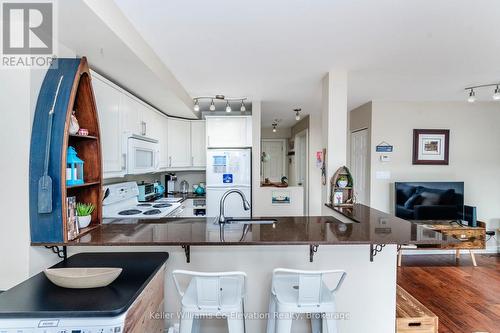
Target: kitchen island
x=360, y=240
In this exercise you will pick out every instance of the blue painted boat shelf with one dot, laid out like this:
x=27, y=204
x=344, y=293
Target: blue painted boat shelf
x=75, y=94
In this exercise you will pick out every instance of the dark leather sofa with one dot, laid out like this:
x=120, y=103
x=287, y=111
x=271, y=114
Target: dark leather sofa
x=429, y=200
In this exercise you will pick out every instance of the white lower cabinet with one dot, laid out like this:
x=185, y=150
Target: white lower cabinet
x=179, y=143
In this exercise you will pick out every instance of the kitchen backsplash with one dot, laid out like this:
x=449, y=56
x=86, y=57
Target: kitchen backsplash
x=192, y=177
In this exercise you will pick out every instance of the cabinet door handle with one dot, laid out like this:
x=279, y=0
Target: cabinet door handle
x=143, y=128
x=208, y=141
x=170, y=161
x=124, y=161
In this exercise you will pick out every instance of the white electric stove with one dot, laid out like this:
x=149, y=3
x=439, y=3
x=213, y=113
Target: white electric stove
x=120, y=201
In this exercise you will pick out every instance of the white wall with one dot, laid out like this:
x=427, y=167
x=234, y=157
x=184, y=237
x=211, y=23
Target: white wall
x=267, y=208
x=474, y=151
x=15, y=142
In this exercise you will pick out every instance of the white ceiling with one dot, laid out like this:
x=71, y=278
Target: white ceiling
x=278, y=51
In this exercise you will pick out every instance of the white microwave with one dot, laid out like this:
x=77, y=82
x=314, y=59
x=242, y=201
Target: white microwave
x=143, y=155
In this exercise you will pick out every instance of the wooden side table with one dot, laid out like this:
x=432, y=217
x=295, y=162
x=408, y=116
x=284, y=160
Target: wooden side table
x=471, y=238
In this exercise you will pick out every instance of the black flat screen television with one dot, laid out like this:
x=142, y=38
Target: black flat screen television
x=420, y=201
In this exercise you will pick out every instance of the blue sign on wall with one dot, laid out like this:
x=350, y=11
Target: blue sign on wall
x=384, y=149
x=227, y=178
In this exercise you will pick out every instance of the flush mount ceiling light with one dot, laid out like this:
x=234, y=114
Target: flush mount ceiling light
x=297, y=114
x=196, y=104
x=472, y=94
x=274, y=127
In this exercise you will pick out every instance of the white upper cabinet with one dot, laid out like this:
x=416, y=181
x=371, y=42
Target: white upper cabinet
x=228, y=132
x=108, y=109
x=130, y=115
x=179, y=143
x=198, y=144
x=164, y=157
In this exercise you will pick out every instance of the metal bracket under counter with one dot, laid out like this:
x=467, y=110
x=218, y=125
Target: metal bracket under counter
x=61, y=252
x=313, y=248
x=187, y=252
x=374, y=249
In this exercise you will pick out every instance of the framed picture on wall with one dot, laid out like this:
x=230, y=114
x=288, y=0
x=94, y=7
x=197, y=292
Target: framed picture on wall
x=431, y=146
x=280, y=197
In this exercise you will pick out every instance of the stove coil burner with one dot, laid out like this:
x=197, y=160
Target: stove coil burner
x=129, y=212
x=152, y=212
x=162, y=205
x=144, y=205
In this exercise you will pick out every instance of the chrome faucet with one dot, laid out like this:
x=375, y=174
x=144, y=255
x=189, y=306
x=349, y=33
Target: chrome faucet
x=246, y=204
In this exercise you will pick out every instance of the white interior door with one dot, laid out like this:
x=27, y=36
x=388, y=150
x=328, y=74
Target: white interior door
x=301, y=165
x=273, y=166
x=360, y=167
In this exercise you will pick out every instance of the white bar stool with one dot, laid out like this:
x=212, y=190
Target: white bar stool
x=212, y=294
x=296, y=291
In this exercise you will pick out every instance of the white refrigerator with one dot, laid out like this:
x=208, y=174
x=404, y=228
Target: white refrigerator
x=228, y=168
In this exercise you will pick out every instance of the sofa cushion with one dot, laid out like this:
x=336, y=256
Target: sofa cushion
x=434, y=196
x=404, y=192
x=415, y=199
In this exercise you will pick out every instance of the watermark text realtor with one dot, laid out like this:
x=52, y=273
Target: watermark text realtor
x=28, y=34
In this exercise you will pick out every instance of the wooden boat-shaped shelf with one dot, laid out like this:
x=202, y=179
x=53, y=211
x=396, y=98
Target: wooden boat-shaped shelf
x=342, y=194
x=76, y=94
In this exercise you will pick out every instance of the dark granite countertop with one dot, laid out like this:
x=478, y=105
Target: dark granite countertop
x=364, y=225
x=38, y=297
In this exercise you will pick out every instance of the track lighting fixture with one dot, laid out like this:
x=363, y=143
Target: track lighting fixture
x=297, y=114
x=496, y=95
x=472, y=94
x=196, y=106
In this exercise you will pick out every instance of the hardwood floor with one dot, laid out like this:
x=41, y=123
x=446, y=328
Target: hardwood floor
x=465, y=298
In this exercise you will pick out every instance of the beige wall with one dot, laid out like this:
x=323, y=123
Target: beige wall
x=474, y=151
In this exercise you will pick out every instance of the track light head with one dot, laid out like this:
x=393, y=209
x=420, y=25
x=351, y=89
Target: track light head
x=228, y=107
x=472, y=96
x=243, y=108
x=212, y=106
x=496, y=95
x=196, y=106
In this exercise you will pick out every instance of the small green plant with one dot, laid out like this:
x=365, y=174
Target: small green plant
x=83, y=209
x=343, y=178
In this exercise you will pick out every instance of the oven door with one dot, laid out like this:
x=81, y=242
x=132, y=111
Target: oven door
x=143, y=155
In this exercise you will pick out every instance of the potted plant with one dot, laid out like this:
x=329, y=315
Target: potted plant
x=84, y=212
x=343, y=181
